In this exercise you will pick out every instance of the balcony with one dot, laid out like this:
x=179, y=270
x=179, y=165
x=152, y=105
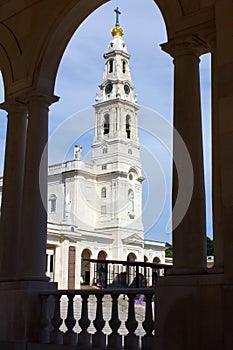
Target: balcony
x=98, y=319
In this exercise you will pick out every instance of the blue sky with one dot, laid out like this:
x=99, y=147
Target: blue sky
x=79, y=75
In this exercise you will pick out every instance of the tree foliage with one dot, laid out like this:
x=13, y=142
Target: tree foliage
x=168, y=250
x=210, y=248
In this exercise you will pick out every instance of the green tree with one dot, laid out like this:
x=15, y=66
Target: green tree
x=168, y=250
x=210, y=246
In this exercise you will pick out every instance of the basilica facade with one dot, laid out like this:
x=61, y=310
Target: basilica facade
x=95, y=208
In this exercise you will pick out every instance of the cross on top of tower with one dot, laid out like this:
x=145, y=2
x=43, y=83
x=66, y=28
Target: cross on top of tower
x=117, y=16
x=117, y=30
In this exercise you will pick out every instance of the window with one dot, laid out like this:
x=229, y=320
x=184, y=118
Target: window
x=103, y=209
x=127, y=126
x=105, y=150
x=130, y=177
x=106, y=124
x=53, y=203
x=110, y=66
x=130, y=151
x=104, y=167
x=123, y=66
x=103, y=192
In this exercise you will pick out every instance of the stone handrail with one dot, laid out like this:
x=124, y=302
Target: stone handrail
x=59, y=319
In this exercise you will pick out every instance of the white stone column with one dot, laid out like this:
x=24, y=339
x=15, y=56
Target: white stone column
x=32, y=254
x=189, y=238
x=218, y=217
x=92, y=273
x=57, y=266
x=12, y=188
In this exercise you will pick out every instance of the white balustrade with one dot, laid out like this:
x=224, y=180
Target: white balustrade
x=84, y=338
x=70, y=337
x=63, y=324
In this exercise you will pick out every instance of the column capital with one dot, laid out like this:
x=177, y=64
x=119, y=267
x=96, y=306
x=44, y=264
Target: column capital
x=210, y=38
x=14, y=105
x=47, y=100
x=188, y=45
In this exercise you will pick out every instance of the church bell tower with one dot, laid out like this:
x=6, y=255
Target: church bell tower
x=116, y=148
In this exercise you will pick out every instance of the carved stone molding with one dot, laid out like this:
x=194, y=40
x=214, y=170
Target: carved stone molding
x=190, y=45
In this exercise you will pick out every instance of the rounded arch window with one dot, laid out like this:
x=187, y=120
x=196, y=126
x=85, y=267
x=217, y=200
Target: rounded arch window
x=123, y=66
x=128, y=126
x=103, y=192
x=102, y=255
x=131, y=257
x=130, y=151
x=106, y=124
x=101, y=275
x=156, y=260
x=53, y=203
x=85, y=266
x=110, y=66
x=130, y=177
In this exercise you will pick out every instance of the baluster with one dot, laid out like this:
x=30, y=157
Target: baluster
x=115, y=339
x=45, y=321
x=84, y=338
x=148, y=325
x=70, y=337
x=56, y=335
x=99, y=338
x=131, y=339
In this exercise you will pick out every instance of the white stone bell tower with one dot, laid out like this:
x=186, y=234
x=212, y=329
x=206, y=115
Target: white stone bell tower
x=116, y=150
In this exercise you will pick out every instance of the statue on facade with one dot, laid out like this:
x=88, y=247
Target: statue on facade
x=77, y=152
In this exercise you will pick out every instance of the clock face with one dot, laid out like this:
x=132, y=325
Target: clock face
x=127, y=89
x=108, y=88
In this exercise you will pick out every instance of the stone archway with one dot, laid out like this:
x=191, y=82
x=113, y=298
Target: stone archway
x=101, y=272
x=86, y=267
x=131, y=257
x=102, y=255
x=156, y=260
x=130, y=270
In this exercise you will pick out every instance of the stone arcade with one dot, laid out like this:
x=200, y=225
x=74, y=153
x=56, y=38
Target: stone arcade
x=194, y=307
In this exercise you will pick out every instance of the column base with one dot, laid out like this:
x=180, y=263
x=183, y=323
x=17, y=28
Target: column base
x=24, y=279
x=190, y=312
x=20, y=309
